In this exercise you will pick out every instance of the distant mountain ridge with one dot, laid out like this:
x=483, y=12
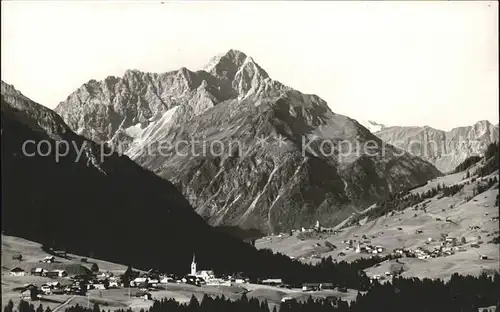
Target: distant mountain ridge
x=271, y=181
x=444, y=149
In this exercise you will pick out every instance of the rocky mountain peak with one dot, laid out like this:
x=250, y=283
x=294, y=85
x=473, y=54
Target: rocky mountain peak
x=227, y=66
x=267, y=186
x=483, y=125
x=232, y=58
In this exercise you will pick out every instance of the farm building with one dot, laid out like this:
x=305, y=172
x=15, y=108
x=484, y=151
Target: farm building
x=56, y=273
x=326, y=286
x=144, y=295
x=29, y=291
x=61, y=273
x=311, y=286
x=140, y=282
x=26, y=293
x=205, y=274
x=38, y=271
x=17, y=271
x=272, y=281
x=49, y=259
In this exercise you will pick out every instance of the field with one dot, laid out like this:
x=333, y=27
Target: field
x=400, y=231
x=124, y=298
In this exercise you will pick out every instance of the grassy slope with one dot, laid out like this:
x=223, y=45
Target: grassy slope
x=386, y=233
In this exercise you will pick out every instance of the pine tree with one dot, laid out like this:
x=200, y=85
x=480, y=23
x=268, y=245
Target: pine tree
x=9, y=307
x=193, y=303
x=127, y=276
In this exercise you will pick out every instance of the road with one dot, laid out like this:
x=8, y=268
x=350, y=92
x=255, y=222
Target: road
x=63, y=304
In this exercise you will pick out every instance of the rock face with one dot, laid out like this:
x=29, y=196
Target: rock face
x=444, y=149
x=243, y=148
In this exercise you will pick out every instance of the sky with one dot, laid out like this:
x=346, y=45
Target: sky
x=410, y=63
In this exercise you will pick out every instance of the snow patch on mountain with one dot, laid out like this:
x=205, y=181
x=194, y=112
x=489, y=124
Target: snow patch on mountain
x=371, y=125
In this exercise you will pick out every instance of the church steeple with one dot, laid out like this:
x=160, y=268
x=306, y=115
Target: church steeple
x=193, y=265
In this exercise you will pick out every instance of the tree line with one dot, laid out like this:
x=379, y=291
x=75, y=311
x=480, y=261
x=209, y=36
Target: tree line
x=491, y=157
x=467, y=163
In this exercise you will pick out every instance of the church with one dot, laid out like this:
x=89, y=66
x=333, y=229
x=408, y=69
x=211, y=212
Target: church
x=206, y=275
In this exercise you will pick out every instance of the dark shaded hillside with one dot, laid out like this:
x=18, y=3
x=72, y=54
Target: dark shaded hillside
x=116, y=211
x=247, y=235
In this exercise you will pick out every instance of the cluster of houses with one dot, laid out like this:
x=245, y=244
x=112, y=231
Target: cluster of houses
x=380, y=277
x=447, y=247
x=18, y=271
x=278, y=282
x=362, y=246
x=320, y=287
x=63, y=283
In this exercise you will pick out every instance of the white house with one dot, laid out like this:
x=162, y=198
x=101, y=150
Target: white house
x=49, y=259
x=139, y=282
x=46, y=289
x=17, y=271
x=38, y=271
x=205, y=274
x=113, y=283
x=99, y=286
x=56, y=273
x=218, y=282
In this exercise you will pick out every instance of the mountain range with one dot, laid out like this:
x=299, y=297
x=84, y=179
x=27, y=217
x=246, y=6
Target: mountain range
x=284, y=159
x=444, y=149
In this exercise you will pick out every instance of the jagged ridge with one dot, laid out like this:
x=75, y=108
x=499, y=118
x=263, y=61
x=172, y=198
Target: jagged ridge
x=269, y=187
x=444, y=149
